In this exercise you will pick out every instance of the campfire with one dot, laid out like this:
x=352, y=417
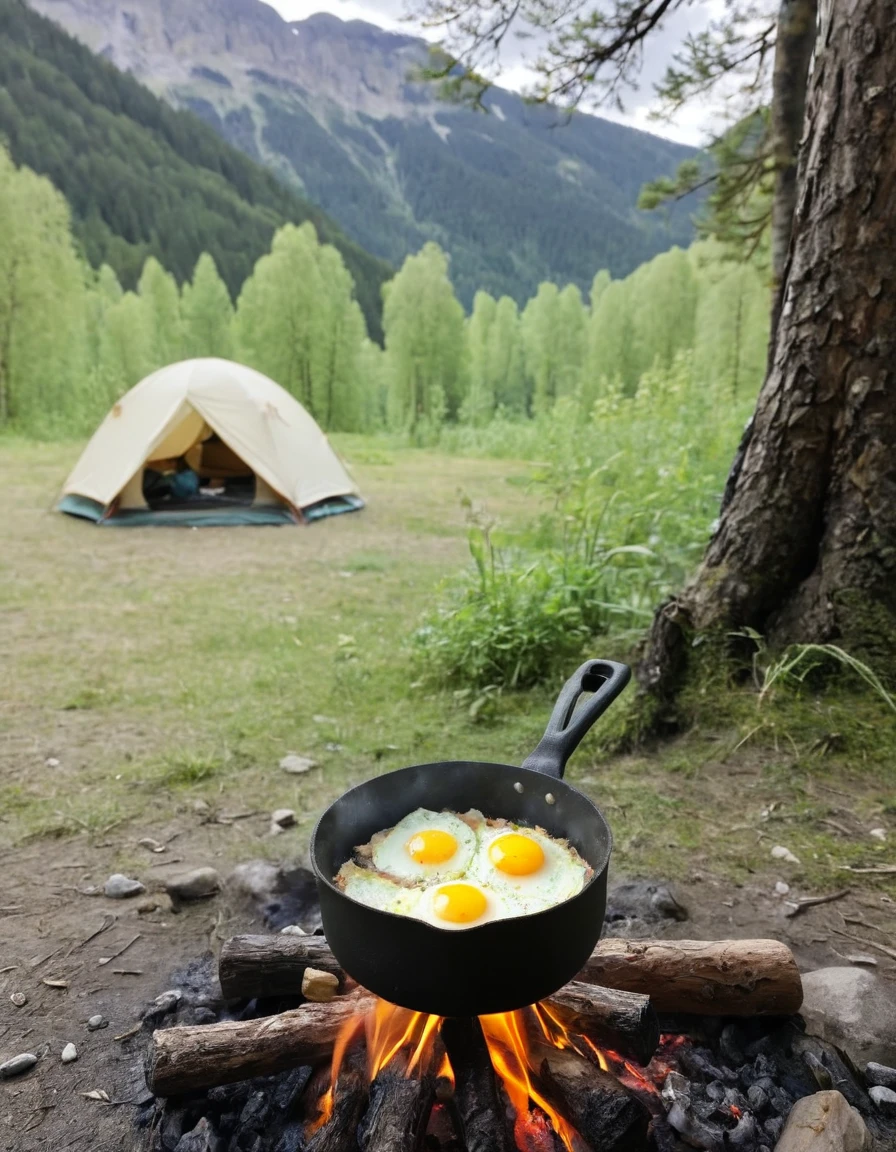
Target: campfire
x=657, y=1045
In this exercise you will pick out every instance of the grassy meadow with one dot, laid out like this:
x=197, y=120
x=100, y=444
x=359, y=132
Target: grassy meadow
x=147, y=669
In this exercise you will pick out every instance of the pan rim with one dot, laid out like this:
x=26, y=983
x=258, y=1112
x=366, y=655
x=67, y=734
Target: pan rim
x=597, y=873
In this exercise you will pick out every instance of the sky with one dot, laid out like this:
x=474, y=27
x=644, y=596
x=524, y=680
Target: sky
x=692, y=125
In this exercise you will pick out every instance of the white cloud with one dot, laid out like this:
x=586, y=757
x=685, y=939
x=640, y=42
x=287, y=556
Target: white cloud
x=692, y=125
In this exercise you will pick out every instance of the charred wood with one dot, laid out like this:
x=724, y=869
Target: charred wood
x=340, y=1132
x=622, y=1021
x=398, y=1111
x=480, y=1110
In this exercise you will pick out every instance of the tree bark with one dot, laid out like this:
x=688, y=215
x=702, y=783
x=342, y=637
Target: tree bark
x=805, y=548
x=794, y=41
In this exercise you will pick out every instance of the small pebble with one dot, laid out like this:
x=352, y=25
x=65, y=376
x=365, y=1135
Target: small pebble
x=69, y=1054
x=549, y=798
x=195, y=885
x=296, y=764
x=884, y=1098
x=119, y=887
x=51, y=762
x=293, y=930
x=17, y=1065
x=518, y=787
x=319, y=986
x=878, y=833
x=781, y=889
x=862, y=958
x=97, y=1022
x=880, y=1074
x=201, y=806
x=157, y=902
x=283, y=817
x=333, y=746
x=779, y=852
x=19, y=999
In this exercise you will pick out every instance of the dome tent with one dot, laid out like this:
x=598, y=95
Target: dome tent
x=253, y=453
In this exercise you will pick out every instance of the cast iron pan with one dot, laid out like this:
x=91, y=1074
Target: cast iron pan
x=503, y=964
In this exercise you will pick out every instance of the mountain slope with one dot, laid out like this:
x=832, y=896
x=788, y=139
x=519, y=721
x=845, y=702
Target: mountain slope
x=141, y=178
x=516, y=197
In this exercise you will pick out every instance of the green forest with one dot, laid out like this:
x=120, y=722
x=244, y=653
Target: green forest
x=142, y=179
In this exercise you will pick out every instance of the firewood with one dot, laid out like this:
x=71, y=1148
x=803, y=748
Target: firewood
x=399, y=1105
x=477, y=1099
x=711, y=978
x=279, y=962
x=339, y=1133
x=187, y=1058
x=602, y=1110
x=622, y=1021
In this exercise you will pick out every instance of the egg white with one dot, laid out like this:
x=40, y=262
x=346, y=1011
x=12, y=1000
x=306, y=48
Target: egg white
x=391, y=856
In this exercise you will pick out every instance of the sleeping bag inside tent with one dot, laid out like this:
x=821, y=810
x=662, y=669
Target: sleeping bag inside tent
x=208, y=442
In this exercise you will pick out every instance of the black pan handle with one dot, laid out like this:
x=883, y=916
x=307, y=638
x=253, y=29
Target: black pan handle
x=564, y=733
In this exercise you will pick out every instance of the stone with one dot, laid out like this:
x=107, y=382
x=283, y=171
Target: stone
x=19, y=999
x=201, y=807
x=884, y=1098
x=97, y=1022
x=781, y=889
x=283, y=818
x=854, y=1010
x=195, y=885
x=257, y=879
x=17, y=1065
x=293, y=930
x=119, y=887
x=878, y=833
x=643, y=900
x=51, y=762
x=779, y=852
x=69, y=1054
x=862, y=958
x=165, y=1003
x=156, y=902
x=319, y=986
x=824, y=1122
x=297, y=764
x=880, y=1074
x=201, y=1139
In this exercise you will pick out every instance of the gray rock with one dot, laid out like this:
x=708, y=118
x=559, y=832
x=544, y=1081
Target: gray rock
x=195, y=885
x=201, y=1139
x=779, y=852
x=97, y=1022
x=884, y=1098
x=283, y=817
x=162, y=1005
x=293, y=930
x=824, y=1122
x=17, y=1065
x=880, y=1074
x=257, y=879
x=297, y=764
x=69, y=1054
x=854, y=1010
x=19, y=999
x=643, y=900
x=119, y=887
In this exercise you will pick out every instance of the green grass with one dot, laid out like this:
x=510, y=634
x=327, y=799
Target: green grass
x=164, y=666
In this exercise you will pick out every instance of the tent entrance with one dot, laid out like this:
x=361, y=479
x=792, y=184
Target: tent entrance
x=208, y=475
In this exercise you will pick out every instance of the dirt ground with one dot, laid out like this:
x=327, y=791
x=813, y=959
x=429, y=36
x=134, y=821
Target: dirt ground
x=153, y=679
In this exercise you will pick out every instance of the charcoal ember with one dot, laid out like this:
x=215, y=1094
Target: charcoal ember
x=292, y=1138
x=820, y=1074
x=734, y=1099
x=772, y=1127
x=255, y=1112
x=171, y=1128
x=287, y=1089
x=695, y=1132
x=199, y=1015
x=676, y=1087
x=781, y=1101
x=743, y=1135
x=731, y=1045
x=227, y=1122
x=697, y=1064
x=758, y=1099
x=230, y=1096
x=843, y=1079
x=294, y=902
x=202, y=1138
x=715, y=1090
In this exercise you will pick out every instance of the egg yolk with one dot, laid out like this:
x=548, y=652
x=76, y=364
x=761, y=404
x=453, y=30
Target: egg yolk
x=459, y=903
x=516, y=855
x=432, y=846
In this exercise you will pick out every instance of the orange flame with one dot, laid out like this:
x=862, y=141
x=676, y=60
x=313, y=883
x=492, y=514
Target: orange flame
x=505, y=1035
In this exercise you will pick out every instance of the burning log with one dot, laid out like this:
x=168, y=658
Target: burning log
x=188, y=1058
x=623, y=1021
x=399, y=1110
x=282, y=959
x=477, y=1099
x=710, y=978
x=605, y=1114
x=349, y=1099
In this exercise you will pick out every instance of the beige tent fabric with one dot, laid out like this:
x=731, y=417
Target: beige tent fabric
x=165, y=414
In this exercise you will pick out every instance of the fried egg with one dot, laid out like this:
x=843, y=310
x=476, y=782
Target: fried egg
x=377, y=891
x=458, y=904
x=425, y=846
x=528, y=869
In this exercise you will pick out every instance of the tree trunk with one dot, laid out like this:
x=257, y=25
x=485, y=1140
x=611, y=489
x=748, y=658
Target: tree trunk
x=794, y=41
x=805, y=548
